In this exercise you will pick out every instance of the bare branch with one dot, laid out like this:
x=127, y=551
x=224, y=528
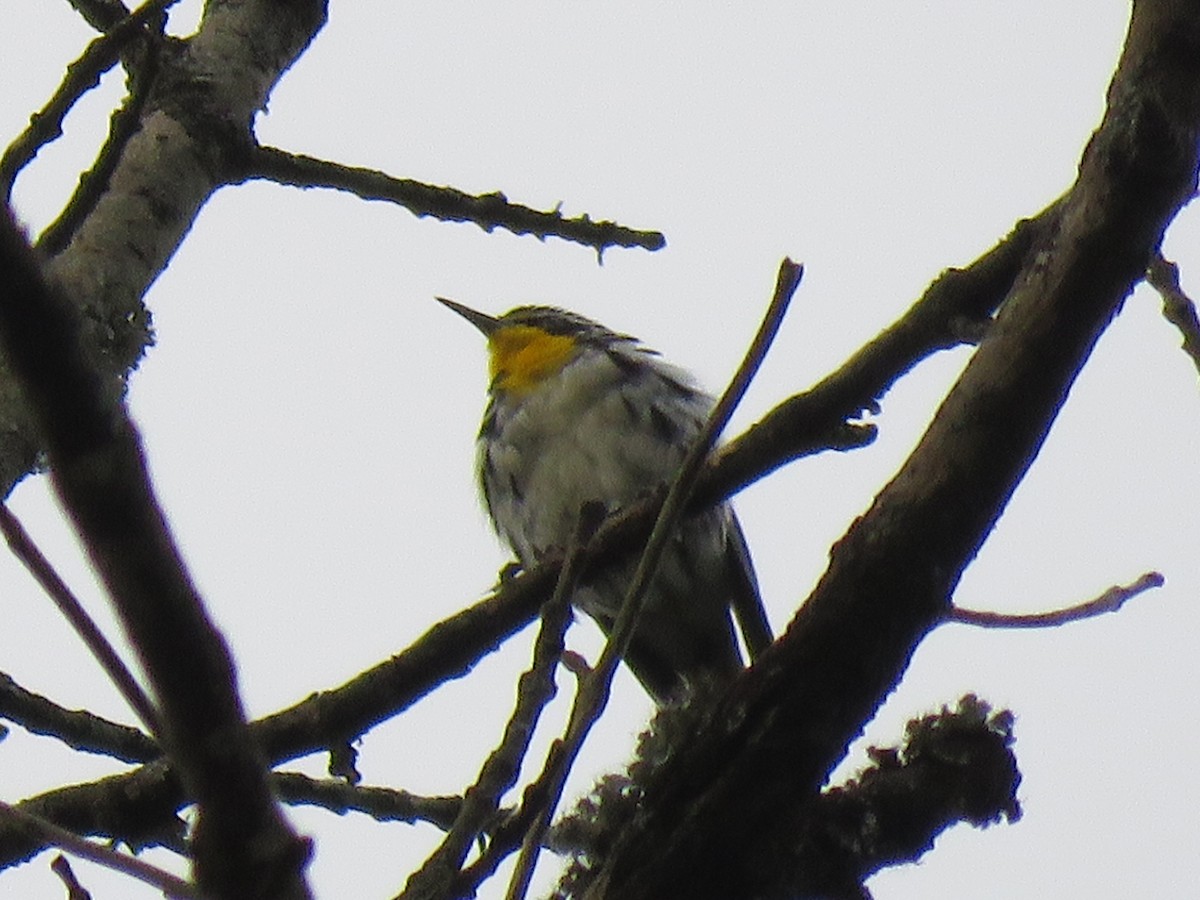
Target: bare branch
x=1110, y=601
x=101, y=14
x=675, y=504
x=448, y=650
x=96, y=181
x=559, y=605
x=955, y=307
x=488, y=211
x=169, y=884
x=79, y=729
x=62, y=868
x=100, y=475
x=137, y=808
x=1178, y=308
x=82, y=75
x=93, y=638
x=535, y=689
x=169, y=164
x=380, y=803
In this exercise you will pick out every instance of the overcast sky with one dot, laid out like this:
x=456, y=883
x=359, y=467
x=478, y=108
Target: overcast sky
x=310, y=412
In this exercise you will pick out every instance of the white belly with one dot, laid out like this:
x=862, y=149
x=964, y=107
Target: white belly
x=581, y=438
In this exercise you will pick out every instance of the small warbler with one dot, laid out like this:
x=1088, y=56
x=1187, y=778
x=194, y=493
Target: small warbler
x=579, y=413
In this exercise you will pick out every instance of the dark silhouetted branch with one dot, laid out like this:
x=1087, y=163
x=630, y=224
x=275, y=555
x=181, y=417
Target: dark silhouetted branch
x=1110, y=601
x=535, y=689
x=82, y=75
x=170, y=885
x=488, y=211
x=1178, y=308
x=101, y=14
x=380, y=803
x=72, y=610
x=76, y=728
x=100, y=475
x=138, y=809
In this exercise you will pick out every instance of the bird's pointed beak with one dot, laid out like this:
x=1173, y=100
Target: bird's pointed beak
x=485, y=323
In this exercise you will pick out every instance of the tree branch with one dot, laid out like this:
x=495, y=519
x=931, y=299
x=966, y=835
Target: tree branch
x=170, y=885
x=241, y=838
x=953, y=766
x=953, y=309
x=192, y=123
x=78, y=729
x=488, y=211
x=138, y=808
x=82, y=75
x=1110, y=601
x=535, y=689
x=72, y=610
x=380, y=803
x=61, y=867
x=1178, y=308
x=100, y=14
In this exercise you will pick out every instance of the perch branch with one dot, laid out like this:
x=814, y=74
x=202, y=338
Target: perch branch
x=380, y=803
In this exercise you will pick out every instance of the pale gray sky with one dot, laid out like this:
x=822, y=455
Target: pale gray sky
x=316, y=459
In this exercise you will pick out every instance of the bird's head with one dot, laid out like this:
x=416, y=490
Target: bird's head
x=530, y=344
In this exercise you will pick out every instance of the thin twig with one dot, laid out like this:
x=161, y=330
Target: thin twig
x=590, y=518
x=1110, y=601
x=820, y=418
x=39, y=567
x=171, y=885
x=124, y=124
x=1178, y=307
x=677, y=496
x=380, y=803
x=535, y=689
x=82, y=75
x=137, y=808
x=62, y=868
x=488, y=211
x=594, y=694
x=100, y=14
x=100, y=474
x=77, y=728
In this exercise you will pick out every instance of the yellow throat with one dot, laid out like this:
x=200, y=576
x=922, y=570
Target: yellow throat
x=523, y=356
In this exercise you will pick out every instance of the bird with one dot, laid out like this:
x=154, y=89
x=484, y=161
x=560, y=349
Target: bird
x=577, y=413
